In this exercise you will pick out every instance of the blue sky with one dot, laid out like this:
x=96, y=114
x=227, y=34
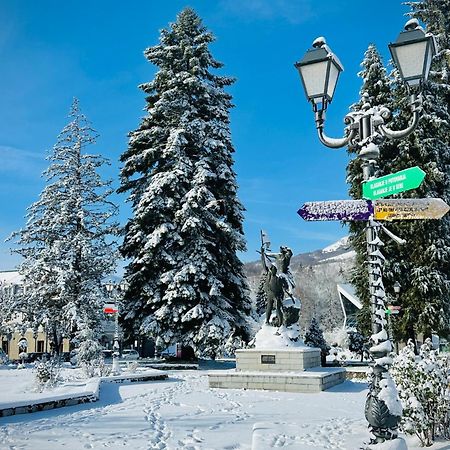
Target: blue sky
x=51, y=51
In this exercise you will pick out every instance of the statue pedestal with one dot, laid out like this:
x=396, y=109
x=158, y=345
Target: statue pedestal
x=291, y=359
x=316, y=379
x=289, y=370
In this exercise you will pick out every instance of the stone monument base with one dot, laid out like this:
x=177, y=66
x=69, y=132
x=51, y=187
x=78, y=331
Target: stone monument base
x=290, y=359
x=291, y=369
x=312, y=380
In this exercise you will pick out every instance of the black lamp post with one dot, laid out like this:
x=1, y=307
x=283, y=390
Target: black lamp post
x=319, y=70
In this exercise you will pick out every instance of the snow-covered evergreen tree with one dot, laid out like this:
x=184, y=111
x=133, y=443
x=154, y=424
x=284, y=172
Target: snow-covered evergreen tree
x=89, y=353
x=358, y=343
x=66, y=243
x=423, y=265
x=261, y=296
x=423, y=389
x=375, y=91
x=186, y=283
x=314, y=338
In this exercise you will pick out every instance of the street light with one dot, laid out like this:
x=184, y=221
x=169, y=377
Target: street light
x=113, y=288
x=319, y=70
x=412, y=53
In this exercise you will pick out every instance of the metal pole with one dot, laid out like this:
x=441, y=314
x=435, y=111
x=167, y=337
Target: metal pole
x=383, y=422
x=116, y=347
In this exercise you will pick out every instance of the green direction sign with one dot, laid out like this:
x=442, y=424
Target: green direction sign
x=393, y=183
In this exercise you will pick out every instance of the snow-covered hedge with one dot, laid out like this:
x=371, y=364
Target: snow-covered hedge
x=422, y=383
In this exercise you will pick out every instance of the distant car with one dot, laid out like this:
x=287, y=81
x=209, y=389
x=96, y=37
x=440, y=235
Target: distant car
x=130, y=354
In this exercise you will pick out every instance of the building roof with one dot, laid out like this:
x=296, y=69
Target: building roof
x=348, y=291
x=10, y=277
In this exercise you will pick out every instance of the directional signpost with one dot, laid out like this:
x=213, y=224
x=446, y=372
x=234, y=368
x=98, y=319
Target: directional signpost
x=392, y=209
x=393, y=183
x=393, y=309
x=410, y=209
x=337, y=210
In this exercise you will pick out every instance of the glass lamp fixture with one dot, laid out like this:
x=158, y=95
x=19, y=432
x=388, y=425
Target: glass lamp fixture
x=319, y=71
x=413, y=52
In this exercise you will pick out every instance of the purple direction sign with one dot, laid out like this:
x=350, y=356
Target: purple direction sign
x=337, y=210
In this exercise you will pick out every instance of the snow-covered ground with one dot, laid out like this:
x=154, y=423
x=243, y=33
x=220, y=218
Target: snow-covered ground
x=18, y=387
x=183, y=413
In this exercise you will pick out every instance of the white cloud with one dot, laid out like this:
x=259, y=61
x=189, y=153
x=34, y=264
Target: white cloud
x=292, y=11
x=21, y=162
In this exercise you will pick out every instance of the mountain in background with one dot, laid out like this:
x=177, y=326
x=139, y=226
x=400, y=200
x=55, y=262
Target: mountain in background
x=316, y=275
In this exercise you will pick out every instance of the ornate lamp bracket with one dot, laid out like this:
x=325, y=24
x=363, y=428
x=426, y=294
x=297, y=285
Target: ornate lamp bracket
x=350, y=131
x=416, y=109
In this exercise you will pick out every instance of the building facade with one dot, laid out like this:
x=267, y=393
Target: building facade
x=14, y=342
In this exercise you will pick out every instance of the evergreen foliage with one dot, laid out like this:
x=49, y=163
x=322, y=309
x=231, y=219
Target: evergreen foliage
x=66, y=245
x=423, y=389
x=47, y=373
x=422, y=266
x=375, y=91
x=357, y=343
x=89, y=354
x=261, y=296
x=314, y=338
x=186, y=283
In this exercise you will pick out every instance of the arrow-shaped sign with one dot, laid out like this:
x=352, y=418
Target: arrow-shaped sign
x=410, y=209
x=337, y=210
x=392, y=209
x=393, y=183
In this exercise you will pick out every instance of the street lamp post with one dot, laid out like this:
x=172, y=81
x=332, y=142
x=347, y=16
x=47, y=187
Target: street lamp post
x=113, y=290
x=365, y=129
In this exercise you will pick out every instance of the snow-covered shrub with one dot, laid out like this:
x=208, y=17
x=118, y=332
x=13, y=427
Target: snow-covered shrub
x=47, y=373
x=103, y=370
x=338, y=337
x=357, y=343
x=90, y=357
x=132, y=366
x=422, y=383
x=23, y=355
x=346, y=345
x=314, y=338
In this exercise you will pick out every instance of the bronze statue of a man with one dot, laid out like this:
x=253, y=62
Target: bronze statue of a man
x=278, y=279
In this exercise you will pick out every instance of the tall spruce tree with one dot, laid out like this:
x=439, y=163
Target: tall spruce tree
x=186, y=283
x=66, y=243
x=375, y=91
x=423, y=265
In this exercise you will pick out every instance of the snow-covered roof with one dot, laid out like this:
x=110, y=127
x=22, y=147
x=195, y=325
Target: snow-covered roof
x=10, y=277
x=348, y=291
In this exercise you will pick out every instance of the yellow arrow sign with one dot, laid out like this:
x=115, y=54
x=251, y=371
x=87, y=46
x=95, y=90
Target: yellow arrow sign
x=410, y=209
